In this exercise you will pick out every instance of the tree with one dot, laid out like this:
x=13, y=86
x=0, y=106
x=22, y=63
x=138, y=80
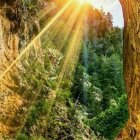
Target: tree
x=102, y=124
x=131, y=12
x=109, y=20
x=78, y=87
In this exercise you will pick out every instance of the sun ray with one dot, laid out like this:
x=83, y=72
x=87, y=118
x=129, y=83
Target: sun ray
x=75, y=20
x=82, y=1
x=29, y=46
x=69, y=20
x=46, y=11
x=73, y=47
x=56, y=28
x=67, y=29
x=71, y=56
x=72, y=50
x=70, y=24
x=37, y=37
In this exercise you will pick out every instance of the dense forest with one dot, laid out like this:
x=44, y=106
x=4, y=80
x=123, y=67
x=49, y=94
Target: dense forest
x=61, y=73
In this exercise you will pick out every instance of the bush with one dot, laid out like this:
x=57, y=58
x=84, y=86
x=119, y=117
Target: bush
x=111, y=121
x=22, y=136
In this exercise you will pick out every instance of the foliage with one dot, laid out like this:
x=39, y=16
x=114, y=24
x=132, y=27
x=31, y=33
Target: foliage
x=113, y=117
x=105, y=99
x=90, y=100
x=37, y=78
x=22, y=137
x=29, y=4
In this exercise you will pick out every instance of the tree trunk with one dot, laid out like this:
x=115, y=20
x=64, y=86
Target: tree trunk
x=131, y=11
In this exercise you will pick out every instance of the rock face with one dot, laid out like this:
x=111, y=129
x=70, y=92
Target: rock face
x=131, y=9
x=18, y=26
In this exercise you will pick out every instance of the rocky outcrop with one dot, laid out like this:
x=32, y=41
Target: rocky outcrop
x=18, y=26
x=131, y=9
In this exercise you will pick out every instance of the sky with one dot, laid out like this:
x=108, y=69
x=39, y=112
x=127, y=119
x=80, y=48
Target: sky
x=112, y=6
